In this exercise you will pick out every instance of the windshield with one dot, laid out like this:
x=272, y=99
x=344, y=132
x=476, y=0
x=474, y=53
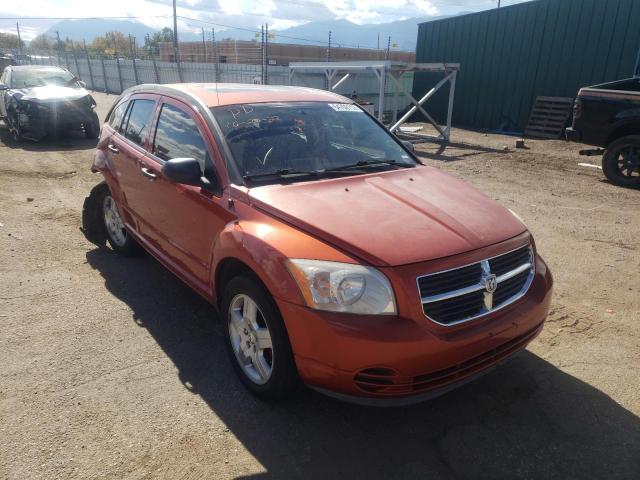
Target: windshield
x=38, y=77
x=297, y=137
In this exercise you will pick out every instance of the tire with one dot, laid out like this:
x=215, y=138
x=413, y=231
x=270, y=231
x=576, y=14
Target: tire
x=92, y=127
x=270, y=372
x=92, y=220
x=621, y=161
x=106, y=208
x=14, y=127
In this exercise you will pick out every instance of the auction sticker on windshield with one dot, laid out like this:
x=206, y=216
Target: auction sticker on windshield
x=345, y=107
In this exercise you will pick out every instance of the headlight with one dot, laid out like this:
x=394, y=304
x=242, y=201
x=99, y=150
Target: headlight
x=343, y=287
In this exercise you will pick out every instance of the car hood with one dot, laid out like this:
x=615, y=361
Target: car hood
x=50, y=93
x=392, y=218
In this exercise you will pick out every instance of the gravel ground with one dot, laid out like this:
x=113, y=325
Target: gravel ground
x=112, y=368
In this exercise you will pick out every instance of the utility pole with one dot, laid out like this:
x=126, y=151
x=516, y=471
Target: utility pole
x=19, y=40
x=175, y=33
x=388, y=48
x=498, y=3
x=329, y=48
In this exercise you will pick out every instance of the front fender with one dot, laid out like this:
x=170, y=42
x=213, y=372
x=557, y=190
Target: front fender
x=254, y=245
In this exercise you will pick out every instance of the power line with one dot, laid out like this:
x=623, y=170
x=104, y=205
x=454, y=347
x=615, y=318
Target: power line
x=85, y=18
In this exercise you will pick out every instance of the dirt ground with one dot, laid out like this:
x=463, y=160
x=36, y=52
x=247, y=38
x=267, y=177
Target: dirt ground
x=112, y=368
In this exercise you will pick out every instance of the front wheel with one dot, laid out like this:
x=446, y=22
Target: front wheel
x=14, y=127
x=257, y=340
x=92, y=127
x=621, y=161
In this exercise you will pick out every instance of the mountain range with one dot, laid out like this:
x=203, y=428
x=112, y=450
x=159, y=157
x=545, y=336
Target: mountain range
x=403, y=33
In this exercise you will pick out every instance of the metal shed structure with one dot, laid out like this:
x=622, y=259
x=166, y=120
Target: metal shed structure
x=338, y=72
x=513, y=54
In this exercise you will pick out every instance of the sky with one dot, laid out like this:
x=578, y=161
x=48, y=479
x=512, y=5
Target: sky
x=279, y=14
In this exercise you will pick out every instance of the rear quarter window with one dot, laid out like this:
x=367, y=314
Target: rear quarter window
x=116, y=116
x=138, y=120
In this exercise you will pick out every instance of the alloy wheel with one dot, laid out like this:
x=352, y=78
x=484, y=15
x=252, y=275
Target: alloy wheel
x=112, y=222
x=629, y=162
x=250, y=339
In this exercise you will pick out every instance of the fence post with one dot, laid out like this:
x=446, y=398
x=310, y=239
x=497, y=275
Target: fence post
x=133, y=59
x=216, y=67
x=75, y=60
x=104, y=75
x=119, y=73
x=93, y=85
x=262, y=54
x=179, y=70
x=266, y=54
x=155, y=67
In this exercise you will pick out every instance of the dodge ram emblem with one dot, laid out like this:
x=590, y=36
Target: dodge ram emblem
x=490, y=283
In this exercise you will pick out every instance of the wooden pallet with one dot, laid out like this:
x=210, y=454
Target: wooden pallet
x=549, y=117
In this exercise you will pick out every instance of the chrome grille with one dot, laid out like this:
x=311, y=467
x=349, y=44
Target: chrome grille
x=469, y=292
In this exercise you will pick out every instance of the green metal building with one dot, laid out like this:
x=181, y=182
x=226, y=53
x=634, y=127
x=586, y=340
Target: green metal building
x=511, y=55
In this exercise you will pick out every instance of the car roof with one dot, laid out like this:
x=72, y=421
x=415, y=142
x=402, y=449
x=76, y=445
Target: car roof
x=219, y=94
x=36, y=67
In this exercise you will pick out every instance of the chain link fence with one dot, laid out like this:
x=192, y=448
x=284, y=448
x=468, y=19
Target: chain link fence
x=114, y=75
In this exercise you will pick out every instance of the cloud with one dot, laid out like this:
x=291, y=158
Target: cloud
x=279, y=14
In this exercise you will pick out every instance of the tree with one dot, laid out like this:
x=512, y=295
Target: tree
x=41, y=42
x=10, y=41
x=111, y=43
x=152, y=42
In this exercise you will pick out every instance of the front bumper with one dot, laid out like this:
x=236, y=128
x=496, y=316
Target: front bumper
x=36, y=122
x=395, y=359
x=573, y=135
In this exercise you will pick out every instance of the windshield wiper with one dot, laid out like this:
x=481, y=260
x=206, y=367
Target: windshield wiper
x=281, y=173
x=368, y=163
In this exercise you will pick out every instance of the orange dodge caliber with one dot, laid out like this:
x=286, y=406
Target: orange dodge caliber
x=335, y=258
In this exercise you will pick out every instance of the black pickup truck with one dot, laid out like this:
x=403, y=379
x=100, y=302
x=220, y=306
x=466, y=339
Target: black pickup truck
x=608, y=116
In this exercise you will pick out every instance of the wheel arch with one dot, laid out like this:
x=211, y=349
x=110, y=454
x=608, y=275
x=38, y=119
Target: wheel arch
x=632, y=128
x=228, y=268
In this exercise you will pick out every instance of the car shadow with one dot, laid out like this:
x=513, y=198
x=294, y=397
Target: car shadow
x=528, y=419
x=64, y=141
x=452, y=151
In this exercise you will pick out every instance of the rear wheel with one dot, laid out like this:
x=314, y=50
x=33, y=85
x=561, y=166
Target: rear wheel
x=621, y=161
x=257, y=340
x=101, y=218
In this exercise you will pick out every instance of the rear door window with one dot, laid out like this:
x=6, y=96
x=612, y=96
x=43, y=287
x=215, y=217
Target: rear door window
x=177, y=136
x=138, y=120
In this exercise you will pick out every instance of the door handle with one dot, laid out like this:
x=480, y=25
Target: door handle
x=148, y=173
x=113, y=148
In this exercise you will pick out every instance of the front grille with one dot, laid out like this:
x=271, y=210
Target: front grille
x=469, y=292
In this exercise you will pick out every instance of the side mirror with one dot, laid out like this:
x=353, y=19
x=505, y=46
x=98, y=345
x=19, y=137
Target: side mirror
x=183, y=170
x=188, y=172
x=82, y=84
x=4, y=86
x=409, y=146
